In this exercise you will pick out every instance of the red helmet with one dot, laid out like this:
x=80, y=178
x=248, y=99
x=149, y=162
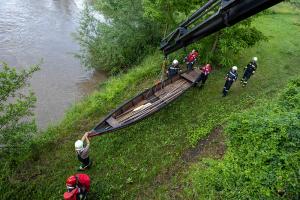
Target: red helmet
x=71, y=181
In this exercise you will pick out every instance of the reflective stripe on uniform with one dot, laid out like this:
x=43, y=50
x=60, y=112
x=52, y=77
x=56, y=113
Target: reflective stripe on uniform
x=232, y=74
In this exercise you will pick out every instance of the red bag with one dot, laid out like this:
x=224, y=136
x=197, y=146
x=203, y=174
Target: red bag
x=71, y=195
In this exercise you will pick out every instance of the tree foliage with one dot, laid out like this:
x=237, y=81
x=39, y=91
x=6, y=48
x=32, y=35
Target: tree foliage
x=133, y=28
x=16, y=123
x=122, y=40
x=229, y=42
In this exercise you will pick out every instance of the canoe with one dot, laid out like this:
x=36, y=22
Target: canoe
x=146, y=103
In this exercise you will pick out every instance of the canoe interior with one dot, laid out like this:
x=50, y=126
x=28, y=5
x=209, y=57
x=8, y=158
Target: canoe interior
x=147, y=102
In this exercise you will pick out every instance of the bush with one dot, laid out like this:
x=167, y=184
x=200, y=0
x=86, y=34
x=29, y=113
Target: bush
x=16, y=110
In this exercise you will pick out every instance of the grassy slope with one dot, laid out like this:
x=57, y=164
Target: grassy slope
x=126, y=162
x=262, y=159
x=280, y=58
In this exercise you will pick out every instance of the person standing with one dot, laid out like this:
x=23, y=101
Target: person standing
x=83, y=152
x=231, y=77
x=205, y=71
x=191, y=59
x=173, y=69
x=249, y=71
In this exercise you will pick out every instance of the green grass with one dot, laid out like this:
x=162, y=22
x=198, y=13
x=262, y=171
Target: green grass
x=263, y=155
x=127, y=161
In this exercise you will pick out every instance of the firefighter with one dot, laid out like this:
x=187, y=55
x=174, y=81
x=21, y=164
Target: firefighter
x=191, y=59
x=78, y=186
x=205, y=70
x=83, y=152
x=173, y=69
x=230, y=78
x=249, y=71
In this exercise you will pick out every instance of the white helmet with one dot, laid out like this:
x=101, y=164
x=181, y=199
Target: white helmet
x=254, y=59
x=78, y=145
x=175, y=62
x=234, y=68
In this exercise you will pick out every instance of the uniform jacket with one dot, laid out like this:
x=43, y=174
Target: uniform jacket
x=251, y=67
x=232, y=75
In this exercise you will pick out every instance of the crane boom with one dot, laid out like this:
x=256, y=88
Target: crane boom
x=229, y=13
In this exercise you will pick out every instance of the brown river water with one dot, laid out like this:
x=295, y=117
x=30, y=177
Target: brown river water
x=31, y=30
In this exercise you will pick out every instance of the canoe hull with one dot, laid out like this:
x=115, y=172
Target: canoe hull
x=146, y=103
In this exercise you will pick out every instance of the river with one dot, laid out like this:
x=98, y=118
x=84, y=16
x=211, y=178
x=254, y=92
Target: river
x=31, y=30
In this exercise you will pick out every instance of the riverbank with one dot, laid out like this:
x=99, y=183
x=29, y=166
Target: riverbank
x=127, y=162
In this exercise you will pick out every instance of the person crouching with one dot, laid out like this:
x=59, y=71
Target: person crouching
x=78, y=186
x=83, y=152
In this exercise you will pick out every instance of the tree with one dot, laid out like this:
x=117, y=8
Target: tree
x=16, y=124
x=133, y=28
x=220, y=47
x=122, y=40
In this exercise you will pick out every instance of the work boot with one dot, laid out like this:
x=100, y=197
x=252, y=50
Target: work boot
x=82, y=168
x=224, y=94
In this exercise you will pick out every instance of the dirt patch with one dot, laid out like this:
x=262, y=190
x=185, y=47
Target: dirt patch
x=213, y=146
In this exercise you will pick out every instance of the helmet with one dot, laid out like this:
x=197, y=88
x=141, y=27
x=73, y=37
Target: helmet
x=254, y=59
x=234, y=68
x=175, y=62
x=78, y=145
x=71, y=182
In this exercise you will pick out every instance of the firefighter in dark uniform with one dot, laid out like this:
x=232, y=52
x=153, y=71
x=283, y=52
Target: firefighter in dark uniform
x=249, y=71
x=173, y=69
x=230, y=78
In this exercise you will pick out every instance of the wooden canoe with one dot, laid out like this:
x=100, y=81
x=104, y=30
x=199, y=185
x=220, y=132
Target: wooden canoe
x=146, y=103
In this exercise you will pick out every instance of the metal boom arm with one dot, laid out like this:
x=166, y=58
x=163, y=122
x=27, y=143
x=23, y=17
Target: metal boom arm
x=229, y=13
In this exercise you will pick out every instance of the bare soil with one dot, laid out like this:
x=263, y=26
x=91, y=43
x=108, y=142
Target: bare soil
x=213, y=146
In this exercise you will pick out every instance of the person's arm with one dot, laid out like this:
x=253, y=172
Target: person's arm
x=255, y=68
x=226, y=76
x=85, y=137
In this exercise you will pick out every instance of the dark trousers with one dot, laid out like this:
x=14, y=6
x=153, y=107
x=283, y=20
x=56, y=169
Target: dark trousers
x=190, y=66
x=202, y=77
x=227, y=86
x=172, y=73
x=247, y=75
x=85, y=162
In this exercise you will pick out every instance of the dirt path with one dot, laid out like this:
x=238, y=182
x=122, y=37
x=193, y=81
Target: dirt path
x=213, y=146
